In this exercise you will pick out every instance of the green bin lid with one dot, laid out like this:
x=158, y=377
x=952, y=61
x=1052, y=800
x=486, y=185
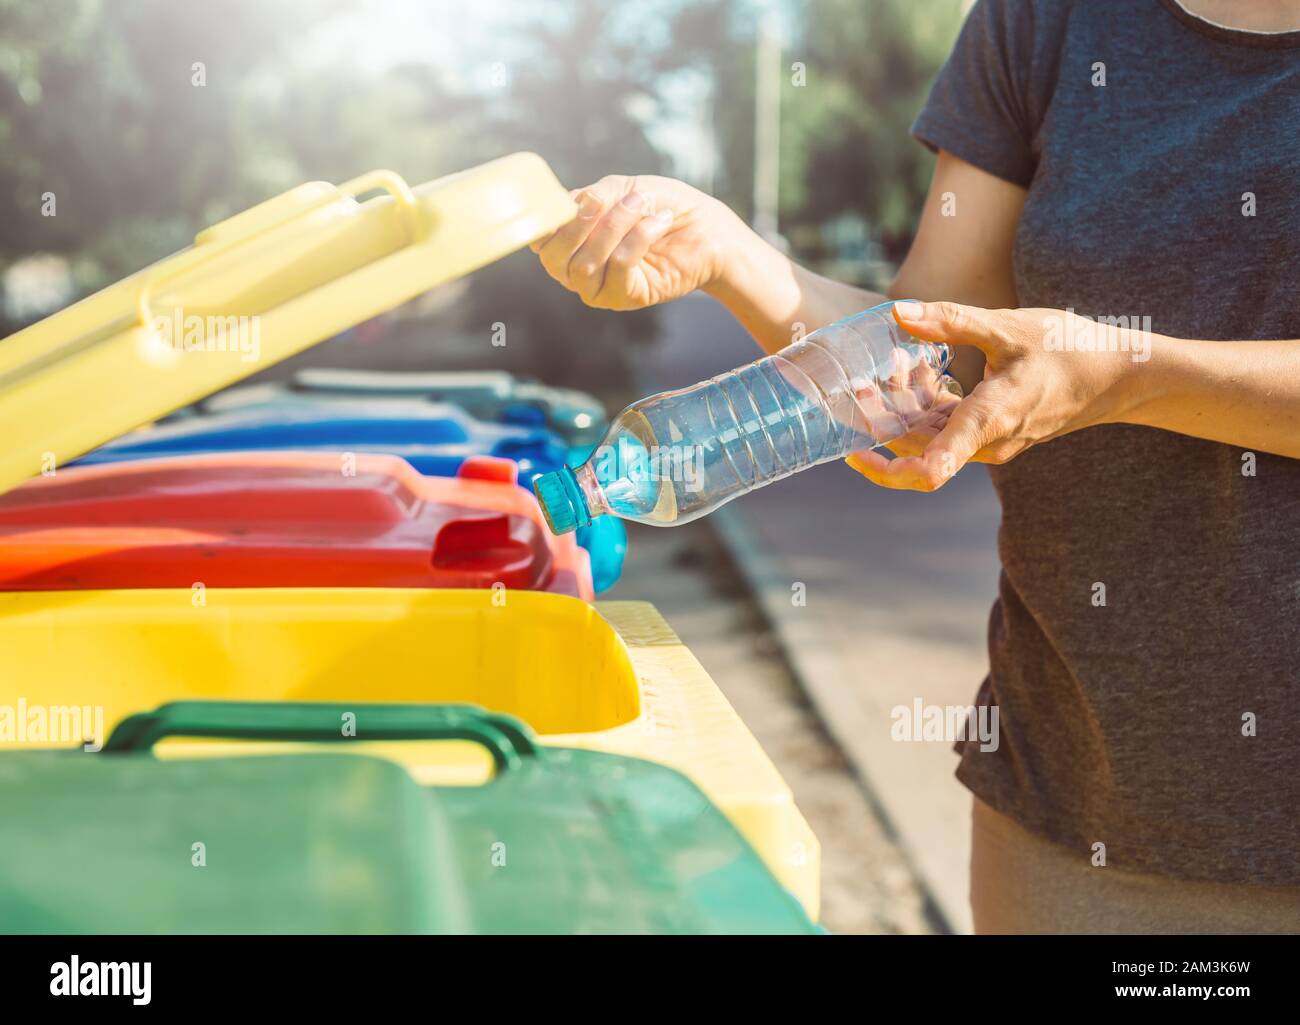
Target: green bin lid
x=559, y=841
x=93, y=843
x=583, y=842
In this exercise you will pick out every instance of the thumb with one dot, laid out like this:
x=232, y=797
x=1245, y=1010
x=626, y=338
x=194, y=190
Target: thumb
x=975, y=424
x=951, y=323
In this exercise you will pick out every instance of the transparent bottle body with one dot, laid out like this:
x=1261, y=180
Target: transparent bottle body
x=853, y=385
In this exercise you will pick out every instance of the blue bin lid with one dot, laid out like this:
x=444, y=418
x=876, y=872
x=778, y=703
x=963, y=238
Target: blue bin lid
x=435, y=442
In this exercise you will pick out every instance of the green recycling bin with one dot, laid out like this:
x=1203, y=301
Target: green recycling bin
x=558, y=841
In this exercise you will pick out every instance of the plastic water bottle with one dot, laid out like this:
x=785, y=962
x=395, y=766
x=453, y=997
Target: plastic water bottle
x=673, y=457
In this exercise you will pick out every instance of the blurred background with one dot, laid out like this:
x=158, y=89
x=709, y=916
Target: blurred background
x=146, y=120
x=149, y=119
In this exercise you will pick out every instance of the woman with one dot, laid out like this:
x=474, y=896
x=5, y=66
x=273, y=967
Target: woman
x=1119, y=161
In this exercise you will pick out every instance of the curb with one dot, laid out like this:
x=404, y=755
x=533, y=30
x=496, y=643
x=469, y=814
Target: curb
x=771, y=590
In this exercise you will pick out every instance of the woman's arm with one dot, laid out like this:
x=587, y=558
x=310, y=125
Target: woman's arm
x=642, y=240
x=775, y=299
x=1240, y=393
x=962, y=252
x=963, y=249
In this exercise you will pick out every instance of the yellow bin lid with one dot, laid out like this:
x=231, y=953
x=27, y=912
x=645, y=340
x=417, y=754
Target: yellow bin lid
x=253, y=290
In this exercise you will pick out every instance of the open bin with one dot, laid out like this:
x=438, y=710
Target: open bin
x=558, y=841
x=443, y=435
x=253, y=290
x=281, y=519
x=493, y=395
x=613, y=678
x=435, y=439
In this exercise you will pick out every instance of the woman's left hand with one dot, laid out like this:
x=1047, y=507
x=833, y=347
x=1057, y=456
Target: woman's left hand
x=1034, y=389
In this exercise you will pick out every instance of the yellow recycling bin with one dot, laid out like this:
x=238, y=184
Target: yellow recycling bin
x=614, y=678
x=251, y=291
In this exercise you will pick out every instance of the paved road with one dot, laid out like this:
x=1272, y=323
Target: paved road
x=898, y=587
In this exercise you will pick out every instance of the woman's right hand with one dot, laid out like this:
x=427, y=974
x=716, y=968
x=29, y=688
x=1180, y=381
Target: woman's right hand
x=638, y=241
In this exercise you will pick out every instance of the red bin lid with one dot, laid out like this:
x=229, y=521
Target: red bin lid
x=280, y=519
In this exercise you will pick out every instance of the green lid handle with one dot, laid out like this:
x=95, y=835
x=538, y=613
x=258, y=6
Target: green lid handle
x=507, y=739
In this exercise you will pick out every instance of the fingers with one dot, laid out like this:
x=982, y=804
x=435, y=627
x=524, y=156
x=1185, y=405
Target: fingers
x=906, y=397
x=913, y=443
x=557, y=250
x=595, y=253
x=875, y=414
x=981, y=427
x=974, y=425
x=589, y=264
x=943, y=399
x=872, y=465
x=629, y=252
x=952, y=323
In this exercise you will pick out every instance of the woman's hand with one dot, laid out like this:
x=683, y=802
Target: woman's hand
x=639, y=241
x=1034, y=388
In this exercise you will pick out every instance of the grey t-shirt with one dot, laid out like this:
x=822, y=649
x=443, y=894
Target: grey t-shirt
x=1164, y=723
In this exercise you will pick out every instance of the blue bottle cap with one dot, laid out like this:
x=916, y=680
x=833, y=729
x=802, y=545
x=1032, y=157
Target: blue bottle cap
x=561, y=499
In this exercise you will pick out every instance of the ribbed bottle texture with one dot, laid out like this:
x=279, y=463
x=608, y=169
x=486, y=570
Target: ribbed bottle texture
x=675, y=456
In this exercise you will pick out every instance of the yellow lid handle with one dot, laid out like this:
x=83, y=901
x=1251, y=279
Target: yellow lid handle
x=209, y=244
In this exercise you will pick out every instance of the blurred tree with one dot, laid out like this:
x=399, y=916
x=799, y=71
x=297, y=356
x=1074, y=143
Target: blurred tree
x=864, y=69
x=581, y=93
x=127, y=113
x=346, y=122
x=149, y=119
x=99, y=105
x=845, y=132
x=719, y=35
